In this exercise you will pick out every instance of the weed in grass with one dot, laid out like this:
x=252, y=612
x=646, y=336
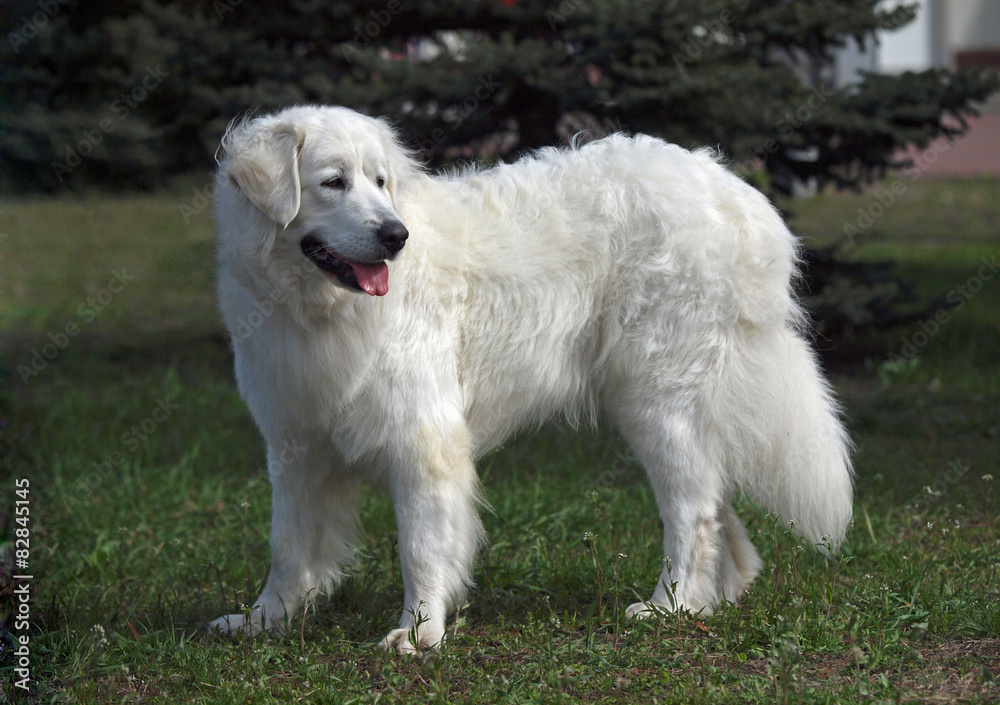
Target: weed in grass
x=988, y=479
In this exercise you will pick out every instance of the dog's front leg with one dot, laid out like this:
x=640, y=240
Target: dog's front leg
x=314, y=511
x=439, y=530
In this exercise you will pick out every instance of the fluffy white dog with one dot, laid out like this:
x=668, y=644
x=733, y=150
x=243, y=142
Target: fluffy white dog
x=391, y=325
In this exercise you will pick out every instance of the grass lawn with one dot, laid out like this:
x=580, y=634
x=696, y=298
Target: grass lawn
x=149, y=505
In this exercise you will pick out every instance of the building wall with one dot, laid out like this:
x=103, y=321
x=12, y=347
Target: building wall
x=944, y=33
x=971, y=25
x=912, y=46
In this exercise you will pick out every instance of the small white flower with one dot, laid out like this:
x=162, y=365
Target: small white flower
x=99, y=635
x=987, y=477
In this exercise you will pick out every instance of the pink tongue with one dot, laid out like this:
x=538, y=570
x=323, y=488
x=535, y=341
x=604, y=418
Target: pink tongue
x=373, y=278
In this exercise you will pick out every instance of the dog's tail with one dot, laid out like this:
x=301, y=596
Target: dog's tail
x=788, y=447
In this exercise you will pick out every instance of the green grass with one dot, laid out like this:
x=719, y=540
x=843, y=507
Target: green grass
x=133, y=557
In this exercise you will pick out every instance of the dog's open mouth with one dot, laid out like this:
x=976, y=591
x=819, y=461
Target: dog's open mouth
x=373, y=279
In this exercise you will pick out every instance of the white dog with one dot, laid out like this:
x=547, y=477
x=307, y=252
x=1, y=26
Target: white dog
x=391, y=325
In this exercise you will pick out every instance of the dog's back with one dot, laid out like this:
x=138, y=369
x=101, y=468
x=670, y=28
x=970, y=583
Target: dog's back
x=574, y=262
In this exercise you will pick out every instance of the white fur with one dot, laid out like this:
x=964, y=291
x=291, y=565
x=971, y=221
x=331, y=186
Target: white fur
x=627, y=279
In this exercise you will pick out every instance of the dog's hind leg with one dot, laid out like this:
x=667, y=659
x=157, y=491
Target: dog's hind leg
x=435, y=498
x=702, y=547
x=739, y=562
x=313, y=523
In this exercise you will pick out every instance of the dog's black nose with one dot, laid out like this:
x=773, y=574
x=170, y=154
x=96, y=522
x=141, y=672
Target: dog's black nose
x=392, y=235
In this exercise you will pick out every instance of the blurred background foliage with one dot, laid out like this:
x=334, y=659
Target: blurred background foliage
x=463, y=79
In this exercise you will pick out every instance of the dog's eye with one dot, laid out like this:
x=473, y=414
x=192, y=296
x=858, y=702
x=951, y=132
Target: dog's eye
x=380, y=181
x=336, y=183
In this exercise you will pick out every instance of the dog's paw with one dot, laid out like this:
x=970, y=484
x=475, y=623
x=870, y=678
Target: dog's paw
x=645, y=610
x=401, y=641
x=236, y=625
x=655, y=610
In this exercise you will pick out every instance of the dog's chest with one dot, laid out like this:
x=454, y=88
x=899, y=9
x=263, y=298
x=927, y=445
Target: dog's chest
x=364, y=383
x=297, y=378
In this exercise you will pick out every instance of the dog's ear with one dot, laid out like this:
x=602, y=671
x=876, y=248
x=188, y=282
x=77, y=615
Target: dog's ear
x=267, y=172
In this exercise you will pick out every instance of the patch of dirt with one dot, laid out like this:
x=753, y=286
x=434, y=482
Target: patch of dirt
x=948, y=672
x=955, y=671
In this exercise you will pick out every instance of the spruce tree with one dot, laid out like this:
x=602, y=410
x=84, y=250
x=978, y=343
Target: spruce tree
x=746, y=76
x=468, y=79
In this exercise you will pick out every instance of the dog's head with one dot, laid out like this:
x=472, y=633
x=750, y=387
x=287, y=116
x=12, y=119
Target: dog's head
x=308, y=197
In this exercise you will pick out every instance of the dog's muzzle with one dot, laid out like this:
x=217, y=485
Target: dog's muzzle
x=369, y=277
